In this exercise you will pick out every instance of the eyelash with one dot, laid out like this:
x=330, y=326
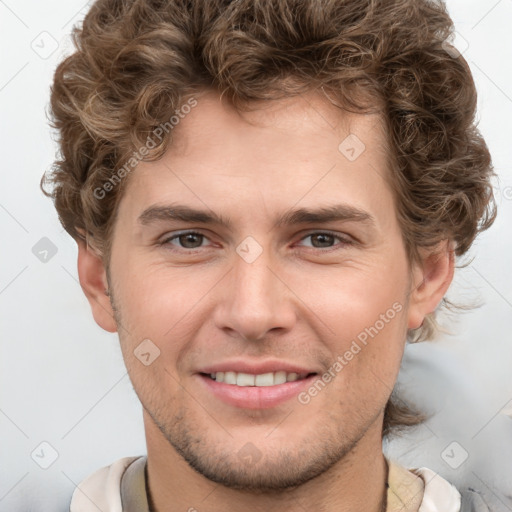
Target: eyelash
x=343, y=241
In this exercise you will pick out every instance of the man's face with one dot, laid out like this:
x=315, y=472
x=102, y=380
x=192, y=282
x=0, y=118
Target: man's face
x=252, y=292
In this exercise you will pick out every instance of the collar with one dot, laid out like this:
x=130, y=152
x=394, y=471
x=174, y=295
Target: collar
x=414, y=490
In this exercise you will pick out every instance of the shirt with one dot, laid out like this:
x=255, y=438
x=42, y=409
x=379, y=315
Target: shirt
x=121, y=487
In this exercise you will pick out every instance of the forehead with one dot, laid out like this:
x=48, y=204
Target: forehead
x=274, y=155
x=303, y=119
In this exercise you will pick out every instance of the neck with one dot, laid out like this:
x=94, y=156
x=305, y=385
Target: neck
x=356, y=482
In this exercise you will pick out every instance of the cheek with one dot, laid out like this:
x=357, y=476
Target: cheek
x=163, y=304
x=352, y=300
x=366, y=364
x=364, y=325
x=153, y=297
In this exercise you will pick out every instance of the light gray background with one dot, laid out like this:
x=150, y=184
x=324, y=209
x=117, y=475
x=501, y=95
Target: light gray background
x=63, y=381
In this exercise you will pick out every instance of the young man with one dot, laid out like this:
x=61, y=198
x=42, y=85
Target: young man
x=268, y=198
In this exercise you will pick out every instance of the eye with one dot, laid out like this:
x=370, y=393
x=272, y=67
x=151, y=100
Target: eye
x=325, y=239
x=186, y=239
x=190, y=240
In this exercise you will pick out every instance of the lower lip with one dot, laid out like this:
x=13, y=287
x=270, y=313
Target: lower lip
x=256, y=397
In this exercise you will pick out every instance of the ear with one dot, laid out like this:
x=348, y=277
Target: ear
x=431, y=279
x=93, y=280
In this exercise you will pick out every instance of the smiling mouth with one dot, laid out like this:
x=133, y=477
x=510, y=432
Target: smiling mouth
x=261, y=380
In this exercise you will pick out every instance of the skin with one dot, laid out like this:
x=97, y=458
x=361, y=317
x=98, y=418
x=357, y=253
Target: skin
x=303, y=300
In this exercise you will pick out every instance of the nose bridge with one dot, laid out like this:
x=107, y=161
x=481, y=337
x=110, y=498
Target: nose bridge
x=255, y=300
x=253, y=282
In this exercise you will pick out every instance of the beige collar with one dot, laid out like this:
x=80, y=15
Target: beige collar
x=405, y=489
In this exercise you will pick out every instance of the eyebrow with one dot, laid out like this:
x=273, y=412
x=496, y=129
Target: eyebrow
x=176, y=212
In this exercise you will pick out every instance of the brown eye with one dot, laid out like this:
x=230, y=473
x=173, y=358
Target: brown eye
x=188, y=240
x=323, y=239
x=326, y=240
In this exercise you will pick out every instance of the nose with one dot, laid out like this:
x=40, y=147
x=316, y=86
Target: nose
x=255, y=300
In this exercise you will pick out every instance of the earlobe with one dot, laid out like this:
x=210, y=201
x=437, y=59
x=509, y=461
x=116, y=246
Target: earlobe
x=430, y=282
x=93, y=280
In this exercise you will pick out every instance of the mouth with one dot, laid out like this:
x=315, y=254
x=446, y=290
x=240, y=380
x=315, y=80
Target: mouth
x=255, y=391
x=259, y=380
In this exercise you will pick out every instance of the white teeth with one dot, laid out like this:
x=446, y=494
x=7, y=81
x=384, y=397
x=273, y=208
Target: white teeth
x=261, y=380
x=230, y=377
x=264, y=379
x=280, y=377
x=244, y=379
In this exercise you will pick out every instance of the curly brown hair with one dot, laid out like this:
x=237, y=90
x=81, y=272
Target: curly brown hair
x=138, y=61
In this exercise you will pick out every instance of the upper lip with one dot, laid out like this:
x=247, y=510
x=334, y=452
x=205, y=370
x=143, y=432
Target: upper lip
x=257, y=368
